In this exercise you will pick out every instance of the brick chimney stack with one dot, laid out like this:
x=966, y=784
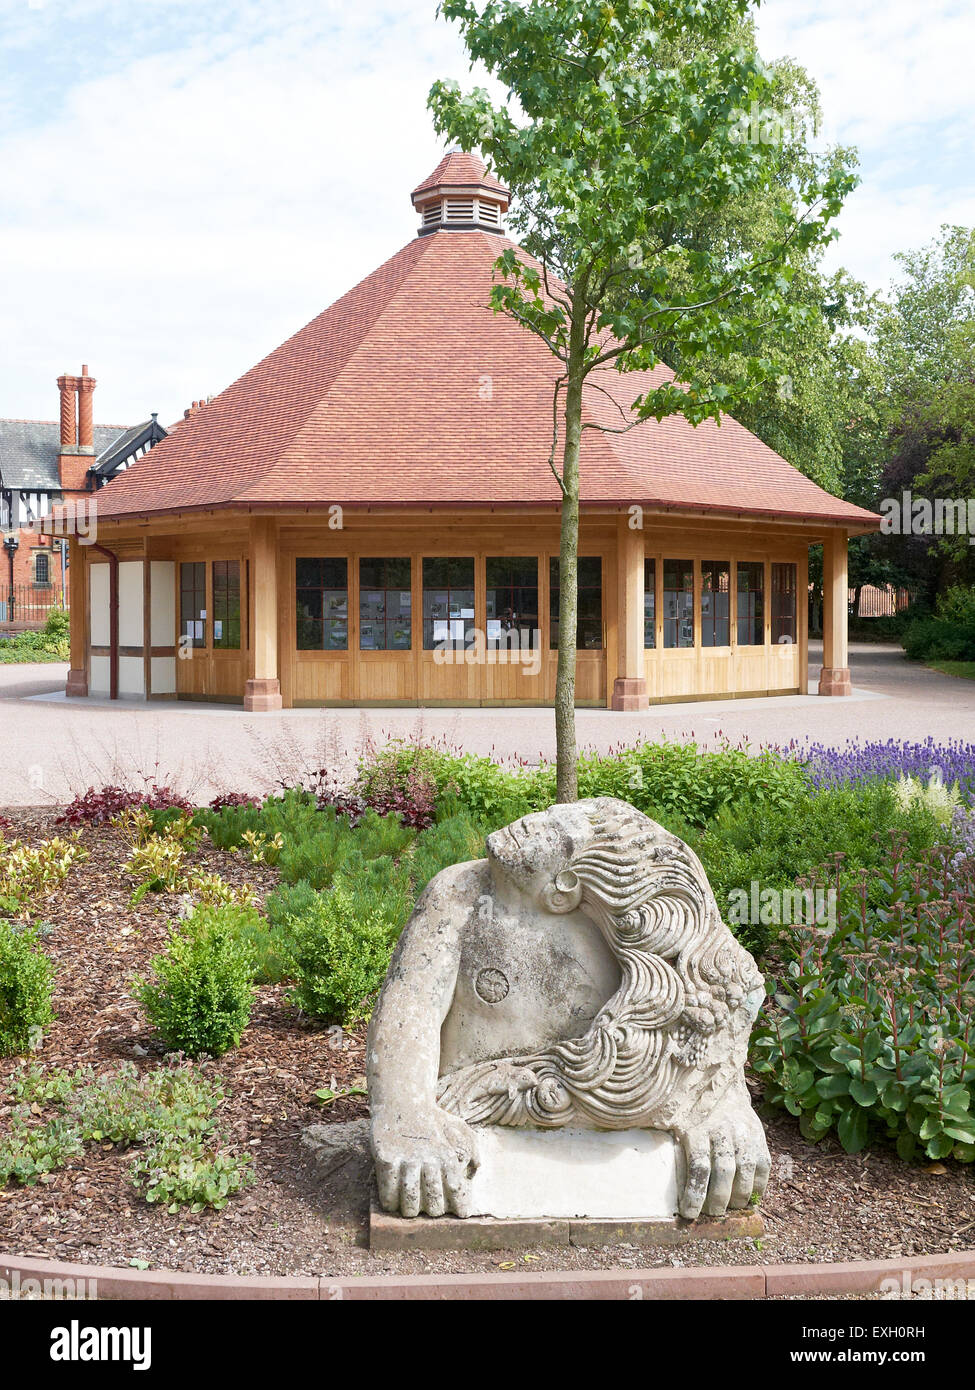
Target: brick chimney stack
x=86, y=424
x=68, y=386
x=77, y=451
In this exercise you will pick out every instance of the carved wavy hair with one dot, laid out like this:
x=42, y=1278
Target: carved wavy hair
x=682, y=975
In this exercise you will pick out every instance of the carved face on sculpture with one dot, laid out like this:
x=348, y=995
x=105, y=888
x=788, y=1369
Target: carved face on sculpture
x=598, y=853
x=530, y=858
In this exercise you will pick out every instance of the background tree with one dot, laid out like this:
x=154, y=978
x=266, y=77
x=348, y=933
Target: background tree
x=625, y=129
x=926, y=350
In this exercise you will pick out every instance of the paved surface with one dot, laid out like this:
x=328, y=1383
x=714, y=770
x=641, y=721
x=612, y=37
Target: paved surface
x=53, y=747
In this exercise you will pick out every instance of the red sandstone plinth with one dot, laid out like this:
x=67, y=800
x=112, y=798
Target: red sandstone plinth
x=835, y=680
x=630, y=692
x=261, y=696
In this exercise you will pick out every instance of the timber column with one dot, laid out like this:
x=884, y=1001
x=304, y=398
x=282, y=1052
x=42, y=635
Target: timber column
x=630, y=685
x=78, y=609
x=834, y=678
x=262, y=691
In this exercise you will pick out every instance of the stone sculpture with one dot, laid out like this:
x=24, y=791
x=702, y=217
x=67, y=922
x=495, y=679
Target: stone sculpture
x=580, y=976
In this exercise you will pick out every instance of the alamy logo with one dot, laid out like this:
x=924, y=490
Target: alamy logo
x=78, y=1343
x=908, y=515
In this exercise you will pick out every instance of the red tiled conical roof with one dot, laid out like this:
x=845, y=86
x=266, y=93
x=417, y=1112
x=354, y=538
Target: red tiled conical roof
x=410, y=390
x=459, y=170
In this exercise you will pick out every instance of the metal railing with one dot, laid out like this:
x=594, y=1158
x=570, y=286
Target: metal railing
x=28, y=605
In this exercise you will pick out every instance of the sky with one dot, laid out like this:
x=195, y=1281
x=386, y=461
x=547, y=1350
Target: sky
x=184, y=183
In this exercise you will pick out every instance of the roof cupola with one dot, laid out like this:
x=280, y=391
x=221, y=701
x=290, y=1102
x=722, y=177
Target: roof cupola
x=461, y=196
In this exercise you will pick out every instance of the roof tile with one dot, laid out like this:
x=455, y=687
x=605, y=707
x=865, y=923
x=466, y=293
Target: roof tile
x=411, y=390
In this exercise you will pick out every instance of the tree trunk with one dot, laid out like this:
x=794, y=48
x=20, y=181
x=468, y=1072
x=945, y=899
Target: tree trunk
x=566, y=752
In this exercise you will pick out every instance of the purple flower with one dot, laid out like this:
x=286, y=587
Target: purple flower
x=889, y=760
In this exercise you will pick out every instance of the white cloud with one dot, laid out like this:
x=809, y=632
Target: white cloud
x=184, y=184
x=896, y=81
x=183, y=212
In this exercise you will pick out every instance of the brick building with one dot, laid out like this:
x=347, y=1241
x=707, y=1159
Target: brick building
x=43, y=462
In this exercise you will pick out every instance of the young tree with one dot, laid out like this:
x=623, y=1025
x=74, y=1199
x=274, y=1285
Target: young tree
x=627, y=123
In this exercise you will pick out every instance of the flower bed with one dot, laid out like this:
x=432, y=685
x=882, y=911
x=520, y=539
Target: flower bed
x=261, y=932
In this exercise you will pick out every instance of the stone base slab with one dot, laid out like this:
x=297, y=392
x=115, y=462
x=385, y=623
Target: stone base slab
x=575, y=1173
x=629, y=693
x=835, y=680
x=388, y=1232
x=262, y=696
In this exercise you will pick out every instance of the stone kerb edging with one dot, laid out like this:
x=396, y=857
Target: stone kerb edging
x=723, y=1282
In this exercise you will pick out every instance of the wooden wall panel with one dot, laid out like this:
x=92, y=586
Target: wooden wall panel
x=416, y=677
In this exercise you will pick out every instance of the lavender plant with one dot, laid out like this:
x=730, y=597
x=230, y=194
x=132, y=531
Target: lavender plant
x=889, y=760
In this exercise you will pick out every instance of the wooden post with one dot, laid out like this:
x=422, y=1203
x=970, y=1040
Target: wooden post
x=630, y=685
x=834, y=679
x=77, y=683
x=262, y=691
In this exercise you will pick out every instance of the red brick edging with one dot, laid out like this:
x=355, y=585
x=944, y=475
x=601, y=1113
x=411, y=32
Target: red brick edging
x=746, y=1281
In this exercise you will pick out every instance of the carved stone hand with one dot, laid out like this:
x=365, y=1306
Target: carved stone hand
x=425, y=1164
x=725, y=1158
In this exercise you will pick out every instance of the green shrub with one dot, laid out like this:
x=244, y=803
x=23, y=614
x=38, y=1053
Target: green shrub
x=748, y=843
x=680, y=780
x=289, y=900
x=194, y=1172
x=957, y=605
x=378, y=837
x=29, y=1151
x=938, y=639
x=293, y=815
x=454, y=840
x=378, y=888
x=26, y=987
x=868, y=1030
x=336, y=958
x=947, y=636
x=672, y=778
x=314, y=855
x=57, y=628
x=202, y=1000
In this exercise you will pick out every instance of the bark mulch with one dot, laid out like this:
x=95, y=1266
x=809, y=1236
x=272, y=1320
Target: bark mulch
x=822, y=1205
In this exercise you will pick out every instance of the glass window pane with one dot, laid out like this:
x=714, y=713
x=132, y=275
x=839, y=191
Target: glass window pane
x=335, y=573
x=649, y=603
x=322, y=604
x=448, y=602
x=193, y=602
x=678, y=600
x=399, y=605
x=372, y=636
x=372, y=604
x=399, y=637
x=751, y=603
x=512, y=602
x=308, y=574
x=385, y=597
x=589, y=630
x=715, y=603
x=226, y=605
x=784, y=596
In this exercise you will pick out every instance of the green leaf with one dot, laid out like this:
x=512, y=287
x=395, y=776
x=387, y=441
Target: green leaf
x=831, y=1086
x=863, y=1092
x=853, y=1130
